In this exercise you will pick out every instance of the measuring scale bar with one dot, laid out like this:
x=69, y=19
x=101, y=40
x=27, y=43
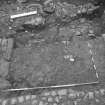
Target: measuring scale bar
x=23, y=14
x=52, y=87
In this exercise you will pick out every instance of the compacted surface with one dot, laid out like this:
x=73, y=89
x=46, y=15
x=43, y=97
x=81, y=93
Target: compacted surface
x=47, y=64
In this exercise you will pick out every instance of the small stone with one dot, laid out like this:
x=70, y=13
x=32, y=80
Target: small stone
x=71, y=91
x=75, y=102
x=21, y=1
x=13, y=101
x=34, y=102
x=97, y=93
x=44, y=98
x=91, y=31
x=77, y=33
x=21, y=99
x=46, y=103
x=97, y=100
x=57, y=99
x=53, y=93
x=86, y=97
x=50, y=99
x=84, y=10
x=102, y=91
x=60, y=97
x=91, y=95
x=78, y=100
x=41, y=103
x=10, y=28
x=62, y=92
x=4, y=102
x=103, y=35
x=46, y=94
x=0, y=100
x=78, y=11
x=28, y=97
x=54, y=103
x=33, y=96
x=69, y=102
x=72, y=95
x=80, y=94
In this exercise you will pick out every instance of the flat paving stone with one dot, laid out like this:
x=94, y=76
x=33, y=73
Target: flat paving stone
x=21, y=99
x=102, y=92
x=33, y=96
x=35, y=102
x=44, y=98
x=91, y=95
x=41, y=103
x=46, y=93
x=50, y=99
x=72, y=95
x=53, y=93
x=57, y=99
x=13, y=101
x=62, y=92
x=27, y=97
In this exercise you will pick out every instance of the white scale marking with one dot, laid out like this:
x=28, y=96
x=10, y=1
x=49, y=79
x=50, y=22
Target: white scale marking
x=23, y=14
x=90, y=51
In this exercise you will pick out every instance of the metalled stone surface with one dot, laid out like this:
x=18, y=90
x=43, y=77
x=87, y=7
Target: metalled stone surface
x=68, y=97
